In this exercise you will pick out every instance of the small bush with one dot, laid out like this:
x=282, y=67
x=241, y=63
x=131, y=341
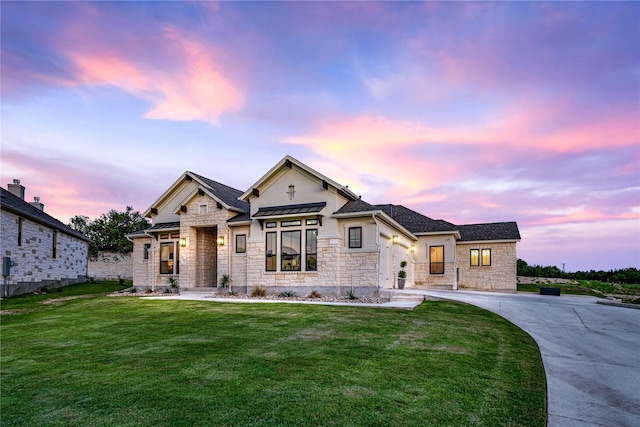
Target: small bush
x=44, y=289
x=120, y=280
x=287, y=294
x=167, y=291
x=148, y=291
x=259, y=292
x=315, y=294
x=91, y=279
x=224, y=281
x=133, y=290
x=351, y=294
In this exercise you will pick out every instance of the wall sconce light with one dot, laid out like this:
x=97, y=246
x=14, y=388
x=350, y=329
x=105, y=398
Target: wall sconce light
x=395, y=239
x=413, y=248
x=221, y=240
x=183, y=242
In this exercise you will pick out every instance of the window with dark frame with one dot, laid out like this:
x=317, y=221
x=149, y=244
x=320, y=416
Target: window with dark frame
x=486, y=257
x=147, y=248
x=272, y=224
x=271, y=251
x=355, y=237
x=291, y=223
x=291, y=246
x=19, y=231
x=311, y=250
x=436, y=259
x=168, y=258
x=241, y=243
x=475, y=257
x=55, y=244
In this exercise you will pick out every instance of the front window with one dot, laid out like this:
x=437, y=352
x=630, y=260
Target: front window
x=291, y=248
x=168, y=258
x=241, y=243
x=436, y=259
x=312, y=250
x=486, y=257
x=272, y=251
x=475, y=257
x=355, y=237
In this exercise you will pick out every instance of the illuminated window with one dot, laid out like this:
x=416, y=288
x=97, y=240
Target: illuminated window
x=169, y=255
x=355, y=237
x=311, y=250
x=291, y=223
x=486, y=257
x=291, y=247
x=475, y=257
x=272, y=251
x=272, y=224
x=436, y=259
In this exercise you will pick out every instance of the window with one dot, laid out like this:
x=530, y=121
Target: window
x=19, y=231
x=147, y=247
x=475, y=257
x=272, y=224
x=292, y=223
x=291, y=248
x=312, y=250
x=164, y=236
x=436, y=259
x=168, y=258
x=175, y=235
x=313, y=221
x=203, y=209
x=272, y=250
x=486, y=257
x=355, y=237
x=241, y=243
x=55, y=244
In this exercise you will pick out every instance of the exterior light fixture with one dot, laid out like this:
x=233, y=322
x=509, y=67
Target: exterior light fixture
x=183, y=242
x=221, y=241
x=413, y=248
x=395, y=239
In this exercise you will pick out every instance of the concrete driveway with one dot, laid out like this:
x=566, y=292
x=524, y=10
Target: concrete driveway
x=591, y=353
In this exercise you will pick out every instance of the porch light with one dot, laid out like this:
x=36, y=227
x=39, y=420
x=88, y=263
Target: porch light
x=395, y=239
x=183, y=242
x=413, y=248
x=221, y=241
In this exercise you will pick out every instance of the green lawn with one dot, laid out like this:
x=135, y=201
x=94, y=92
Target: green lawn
x=628, y=293
x=97, y=360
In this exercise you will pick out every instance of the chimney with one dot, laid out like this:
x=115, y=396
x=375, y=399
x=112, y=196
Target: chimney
x=37, y=204
x=16, y=189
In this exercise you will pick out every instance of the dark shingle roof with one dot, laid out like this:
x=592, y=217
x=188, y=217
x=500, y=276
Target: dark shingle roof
x=415, y=222
x=492, y=231
x=225, y=193
x=354, y=206
x=18, y=206
x=240, y=218
x=156, y=227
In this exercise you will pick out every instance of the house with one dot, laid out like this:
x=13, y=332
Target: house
x=296, y=229
x=37, y=249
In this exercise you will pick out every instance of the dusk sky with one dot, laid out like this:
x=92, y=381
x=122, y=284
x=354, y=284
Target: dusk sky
x=465, y=111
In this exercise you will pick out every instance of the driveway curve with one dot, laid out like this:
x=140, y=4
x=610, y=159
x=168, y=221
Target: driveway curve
x=590, y=352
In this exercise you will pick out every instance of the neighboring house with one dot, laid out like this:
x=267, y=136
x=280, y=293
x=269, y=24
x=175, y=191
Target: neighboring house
x=296, y=229
x=42, y=250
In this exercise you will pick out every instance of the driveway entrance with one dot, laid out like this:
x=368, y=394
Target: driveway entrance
x=591, y=353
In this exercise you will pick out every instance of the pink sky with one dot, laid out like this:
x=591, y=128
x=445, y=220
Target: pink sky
x=468, y=112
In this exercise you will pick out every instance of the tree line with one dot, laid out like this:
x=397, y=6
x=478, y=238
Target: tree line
x=108, y=232
x=625, y=275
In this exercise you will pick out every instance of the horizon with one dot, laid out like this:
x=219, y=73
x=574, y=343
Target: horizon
x=466, y=112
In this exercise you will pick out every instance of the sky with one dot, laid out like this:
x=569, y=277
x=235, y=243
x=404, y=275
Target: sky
x=470, y=112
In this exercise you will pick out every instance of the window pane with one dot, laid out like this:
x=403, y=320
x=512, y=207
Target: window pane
x=312, y=250
x=486, y=257
x=291, y=223
x=436, y=258
x=291, y=247
x=311, y=222
x=355, y=237
x=475, y=257
x=166, y=258
x=241, y=243
x=272, y=224
x=272, y=251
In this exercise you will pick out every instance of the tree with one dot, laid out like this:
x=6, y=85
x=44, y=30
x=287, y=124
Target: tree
x=108, y=232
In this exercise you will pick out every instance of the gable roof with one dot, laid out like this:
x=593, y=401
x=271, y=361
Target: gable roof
x=414, y=221
x=227, y=196
x=491, y=231
x=289, y=162
x=18, y=206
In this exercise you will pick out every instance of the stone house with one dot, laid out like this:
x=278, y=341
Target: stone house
x=296, y=229
x=41, y=250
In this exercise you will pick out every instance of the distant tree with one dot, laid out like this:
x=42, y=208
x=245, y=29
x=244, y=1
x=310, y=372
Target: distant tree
x=108, y=232
x=626, y=275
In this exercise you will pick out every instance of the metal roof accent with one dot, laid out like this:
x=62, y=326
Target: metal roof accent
x=304, y=208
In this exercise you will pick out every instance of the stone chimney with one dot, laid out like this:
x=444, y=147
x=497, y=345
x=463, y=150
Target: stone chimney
x=37, y=204
x=16, y=189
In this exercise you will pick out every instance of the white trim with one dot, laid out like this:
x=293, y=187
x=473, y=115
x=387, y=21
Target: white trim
x=476, y=242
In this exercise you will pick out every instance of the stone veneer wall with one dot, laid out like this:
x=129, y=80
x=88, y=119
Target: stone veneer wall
x=110, y=265
x=142, y=268
x=424, y=278
x=34, y=263
x=501, y=275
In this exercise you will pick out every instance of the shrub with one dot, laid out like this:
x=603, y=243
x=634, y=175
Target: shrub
x=224, y=281
x=44, y=289
x=148, y=291
x=258, y=292
x=168, y=291
x=351, y=294
x=173, y=284
x=120, y=280
x=315, y=294
x=287, y=294
x=133, y=290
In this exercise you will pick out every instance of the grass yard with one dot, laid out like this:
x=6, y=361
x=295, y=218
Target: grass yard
x=628, y=293
x=99, y=361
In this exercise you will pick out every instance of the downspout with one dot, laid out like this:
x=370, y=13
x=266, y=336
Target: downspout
x=373, y=215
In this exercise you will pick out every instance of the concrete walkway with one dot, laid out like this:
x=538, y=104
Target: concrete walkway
x=590, y=352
